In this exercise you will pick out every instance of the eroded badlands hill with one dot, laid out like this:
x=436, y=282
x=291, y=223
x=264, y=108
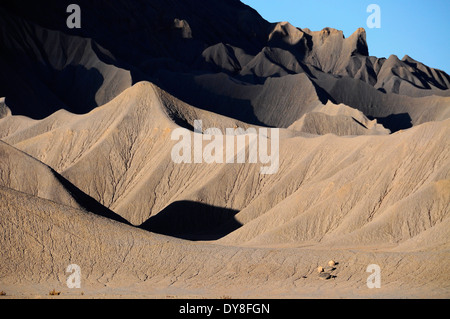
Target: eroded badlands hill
x=87, y=174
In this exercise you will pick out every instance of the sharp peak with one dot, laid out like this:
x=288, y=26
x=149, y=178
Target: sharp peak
x=408, y=58
x=331, y=30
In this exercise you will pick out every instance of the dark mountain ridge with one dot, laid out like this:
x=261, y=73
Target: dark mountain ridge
x=185, y=46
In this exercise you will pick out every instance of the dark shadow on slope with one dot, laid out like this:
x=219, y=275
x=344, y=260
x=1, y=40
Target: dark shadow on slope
x=77, y=87
x=193, y=221
x=73, y=88
x=323, y=95
x=359, y=123
x=425, y=78
x=87, y=202
x=394, y=122
x=203, y=98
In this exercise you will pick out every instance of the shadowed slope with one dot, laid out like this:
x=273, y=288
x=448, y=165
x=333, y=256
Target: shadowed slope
x=54, y=70
x=325, y=184
x=23, y=173
x=127, y=143
x=192, y=221
x=186, y=48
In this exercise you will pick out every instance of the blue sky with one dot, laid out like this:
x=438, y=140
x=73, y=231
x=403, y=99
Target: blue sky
x=418, y=28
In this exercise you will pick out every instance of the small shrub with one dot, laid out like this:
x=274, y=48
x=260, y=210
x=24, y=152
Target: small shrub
x=54, y=293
